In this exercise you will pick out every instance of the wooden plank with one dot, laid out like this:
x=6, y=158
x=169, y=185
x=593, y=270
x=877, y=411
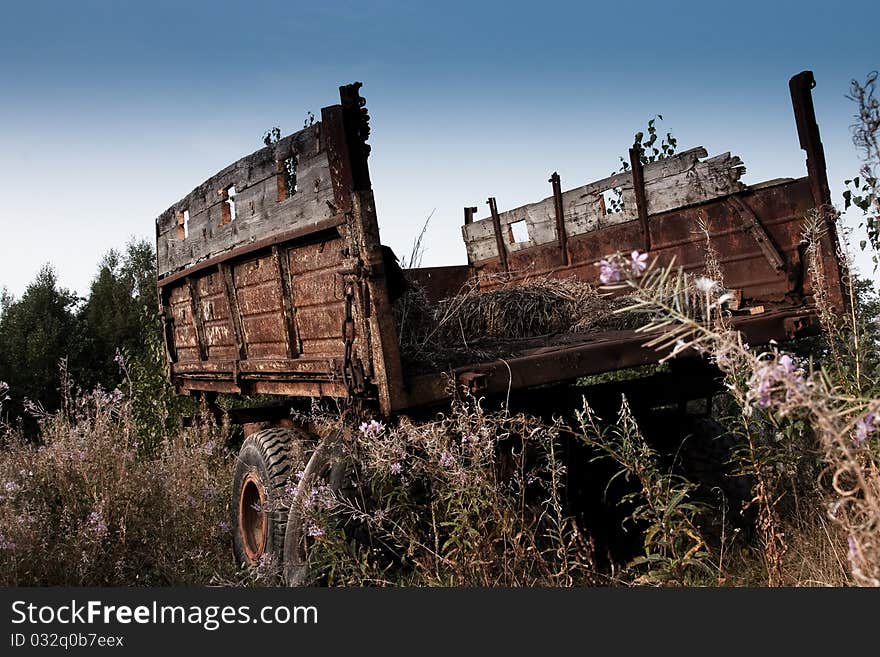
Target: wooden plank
x=244, y=172
x=259, y=215
x=656, y=170
x=248, y=189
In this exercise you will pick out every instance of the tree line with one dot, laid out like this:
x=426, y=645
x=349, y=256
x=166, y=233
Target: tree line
x=93, y=336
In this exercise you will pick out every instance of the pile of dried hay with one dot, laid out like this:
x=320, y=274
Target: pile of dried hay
x=477, y=324
x=523, y=309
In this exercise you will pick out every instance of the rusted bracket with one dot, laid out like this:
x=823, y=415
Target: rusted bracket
x=474, y=382
x=753, y=225
x=287, y=305
x=469, y=215
x=167, y=329
x=232, y=304
x=560, y=219
x=801, y=86
x=198, y=322
x=638, y=175
x=797, y=326
x=499, y=238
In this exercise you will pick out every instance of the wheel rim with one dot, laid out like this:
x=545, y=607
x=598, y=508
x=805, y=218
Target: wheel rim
x=253, y=523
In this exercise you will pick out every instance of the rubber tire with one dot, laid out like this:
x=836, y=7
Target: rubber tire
x=272, y=455
x=325, y=464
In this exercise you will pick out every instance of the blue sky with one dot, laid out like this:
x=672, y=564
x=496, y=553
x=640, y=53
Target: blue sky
x=111, y=111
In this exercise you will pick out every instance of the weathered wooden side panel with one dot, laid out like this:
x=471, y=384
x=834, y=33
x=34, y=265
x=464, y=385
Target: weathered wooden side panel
x=676, y=182
x=185, y=339
x=259, y=213
x=269, y=288
x=214, y=308
x=317, y=290
x=780, y=208
x=259, y=300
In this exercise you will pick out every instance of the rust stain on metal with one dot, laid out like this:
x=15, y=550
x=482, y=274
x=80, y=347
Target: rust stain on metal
x=288, y=302
x=753, y=225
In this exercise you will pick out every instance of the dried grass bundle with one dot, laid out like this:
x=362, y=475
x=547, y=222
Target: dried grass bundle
x=522, y=309
x=477, y=323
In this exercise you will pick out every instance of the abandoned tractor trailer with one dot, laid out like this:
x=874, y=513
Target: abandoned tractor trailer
x=272, y=280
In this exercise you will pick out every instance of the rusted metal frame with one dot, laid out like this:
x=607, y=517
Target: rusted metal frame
x=381, y=337
x=288, y=236
x=379, y=340
x=292, y=367
x=356, y=123
x=198, y=320
x=167, y=318
x=294, y=345
x=801, y=86
x=499, y=237
x=345, y=133
x=185, y=386
x=225, y=271
x=469, y=213
x=753, y=225
x=569, y=363
x=638, y=176
x=561, y=234
x=340, y=121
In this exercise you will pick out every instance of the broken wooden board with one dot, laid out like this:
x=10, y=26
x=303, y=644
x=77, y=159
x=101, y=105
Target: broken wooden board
x=679, y=181
x=259, y=212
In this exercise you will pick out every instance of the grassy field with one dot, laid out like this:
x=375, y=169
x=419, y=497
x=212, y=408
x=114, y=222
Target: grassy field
x=114, y=492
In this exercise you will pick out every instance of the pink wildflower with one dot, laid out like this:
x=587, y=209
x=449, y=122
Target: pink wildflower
x=609, y=271
x=865, y=427
x=639, y=262
x=372, y=428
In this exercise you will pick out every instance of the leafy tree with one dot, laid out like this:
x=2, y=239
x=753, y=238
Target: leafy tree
x=863, y=191
x=36, y=332
x=119, y=314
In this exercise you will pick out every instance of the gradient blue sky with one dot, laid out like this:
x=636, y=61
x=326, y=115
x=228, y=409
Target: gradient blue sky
x=111, y=111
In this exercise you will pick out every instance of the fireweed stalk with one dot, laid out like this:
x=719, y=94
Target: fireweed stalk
x=691, y=314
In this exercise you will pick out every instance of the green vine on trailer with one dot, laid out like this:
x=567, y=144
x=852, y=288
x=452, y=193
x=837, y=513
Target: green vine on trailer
x=649, y=151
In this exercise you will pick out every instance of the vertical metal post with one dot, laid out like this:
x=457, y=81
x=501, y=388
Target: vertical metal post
x=234, y=310
x=499, y=238
x=198, y=321
x=469, y=215
x=638, y=175
x=801, y=86
x=561, y=236
x=287, y=305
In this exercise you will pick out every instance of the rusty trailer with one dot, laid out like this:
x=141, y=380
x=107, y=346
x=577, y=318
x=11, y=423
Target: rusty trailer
x=272, y=278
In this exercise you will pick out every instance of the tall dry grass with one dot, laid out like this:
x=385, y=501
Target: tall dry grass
x=87, y=505
x=477, y=496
